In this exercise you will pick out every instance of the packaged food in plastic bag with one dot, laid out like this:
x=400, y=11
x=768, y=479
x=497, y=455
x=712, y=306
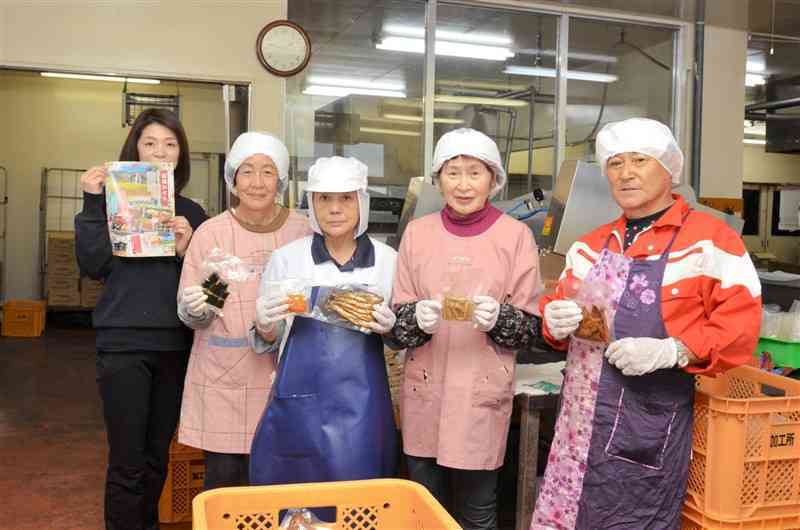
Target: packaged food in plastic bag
x=595, y=296
x=303, y=519
x=461, y=281
x=221, y=269
x=349, y=306
x=296, y=290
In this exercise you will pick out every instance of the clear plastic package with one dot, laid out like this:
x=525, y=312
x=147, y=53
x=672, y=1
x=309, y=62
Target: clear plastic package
x=303, y=519
x=221, y=269
x=461, y=281
x=296, y=290
x=349, y=306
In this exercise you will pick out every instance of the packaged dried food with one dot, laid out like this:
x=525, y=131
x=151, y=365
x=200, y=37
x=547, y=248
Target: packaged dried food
x=296, y=290
x=593, y=326
x=222, y=270
x=457, y=308
x=460, y=282
x=303, y=519
x=348, y=306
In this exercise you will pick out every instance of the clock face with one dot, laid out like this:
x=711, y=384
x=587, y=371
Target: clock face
x=284, y=48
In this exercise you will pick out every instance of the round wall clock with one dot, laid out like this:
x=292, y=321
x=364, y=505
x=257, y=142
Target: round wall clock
x=283, y=48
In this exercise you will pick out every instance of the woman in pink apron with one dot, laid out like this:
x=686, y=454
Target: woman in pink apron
x=229, y=376
x=459, y=369
x=680, y=296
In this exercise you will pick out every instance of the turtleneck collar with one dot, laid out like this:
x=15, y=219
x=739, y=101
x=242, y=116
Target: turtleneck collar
x=472, y=224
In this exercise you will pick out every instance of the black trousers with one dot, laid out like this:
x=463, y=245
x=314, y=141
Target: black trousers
x=226, y=469
x=470, y=496
x=141, y=394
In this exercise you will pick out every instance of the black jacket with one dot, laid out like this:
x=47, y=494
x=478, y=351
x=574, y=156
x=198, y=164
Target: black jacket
x=138, y=309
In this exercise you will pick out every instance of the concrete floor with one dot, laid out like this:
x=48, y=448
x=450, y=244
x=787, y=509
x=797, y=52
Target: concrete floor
x=52, y=440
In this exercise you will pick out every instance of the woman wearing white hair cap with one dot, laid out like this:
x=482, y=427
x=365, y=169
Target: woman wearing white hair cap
x=228, y=383
x=472, y=263
x=330, y=414
x=675, y=294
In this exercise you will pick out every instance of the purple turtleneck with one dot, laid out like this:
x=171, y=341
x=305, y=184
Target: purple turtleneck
x=471, y=224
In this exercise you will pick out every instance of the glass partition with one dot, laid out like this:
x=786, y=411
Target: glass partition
x=615, y=71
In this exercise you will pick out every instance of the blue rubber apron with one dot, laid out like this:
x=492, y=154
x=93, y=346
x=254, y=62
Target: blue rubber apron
x=329, y=416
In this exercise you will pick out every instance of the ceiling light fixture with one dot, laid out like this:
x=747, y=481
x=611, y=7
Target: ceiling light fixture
x=754, y=80
x=754, y=141
x=577, y=75
x=454, y=36
x=446, y=48
x=397, y=86
x=410, y=117
x=115, y=78
x=475, y=100
x=396, y=132
x=580, y=56
x=343, y=91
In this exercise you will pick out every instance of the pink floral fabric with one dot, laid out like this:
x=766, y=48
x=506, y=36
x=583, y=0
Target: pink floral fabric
x=557, y=506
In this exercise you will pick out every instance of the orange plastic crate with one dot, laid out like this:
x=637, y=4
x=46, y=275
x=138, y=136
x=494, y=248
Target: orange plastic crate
x=694, y=519
x=379, y=504
x=185, y=473
x=746, y=448
x=23, y=318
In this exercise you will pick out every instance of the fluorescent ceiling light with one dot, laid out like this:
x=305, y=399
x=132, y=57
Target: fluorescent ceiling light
x=455, y=36
x=754, y=80
x=475, y=100
x=360, y=83
x=581, y=56
x=756, y=65
x=755, y=128
x=754, y=141
x=102, y=78
x=342, y=91
x=378, y=130
x=410, y=117
x=578, y=75
x=446, y=48
x=497, y=87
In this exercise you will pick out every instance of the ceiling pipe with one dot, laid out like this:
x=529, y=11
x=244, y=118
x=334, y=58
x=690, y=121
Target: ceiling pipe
x=773, y=105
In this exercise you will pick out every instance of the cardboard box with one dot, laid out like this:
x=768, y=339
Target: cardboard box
x=90, y=292
x=70, y=298
x=60, y=257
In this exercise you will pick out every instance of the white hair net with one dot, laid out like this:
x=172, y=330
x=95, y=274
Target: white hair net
x=257, y=143
x=640, y=135
x=472, y=143
x=337, y=174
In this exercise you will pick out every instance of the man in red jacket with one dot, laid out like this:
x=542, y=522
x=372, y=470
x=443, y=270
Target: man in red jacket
x=679, y=295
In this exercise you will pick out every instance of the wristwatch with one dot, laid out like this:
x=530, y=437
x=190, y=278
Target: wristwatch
x=683, y=354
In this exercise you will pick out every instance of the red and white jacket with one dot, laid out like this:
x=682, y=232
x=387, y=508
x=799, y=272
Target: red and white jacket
x=710, y=296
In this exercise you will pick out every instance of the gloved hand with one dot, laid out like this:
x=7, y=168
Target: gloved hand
x=487, y=309
x=562, y=318
x=193, y=303
x=270, y=310
x=642, y=355
x=384, y=319
x=429, y=315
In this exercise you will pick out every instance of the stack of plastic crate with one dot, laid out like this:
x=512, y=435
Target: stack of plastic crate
x=745, y=467
x=184, y=480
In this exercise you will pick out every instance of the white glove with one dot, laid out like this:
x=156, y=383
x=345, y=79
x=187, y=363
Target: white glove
x=193, y=303
x=562, y=317
x=270, y=310
x=384, y=319
x=429, y=315
x=642, y=355
x=487, y=309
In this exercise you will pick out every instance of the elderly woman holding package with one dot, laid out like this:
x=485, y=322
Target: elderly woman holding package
x=644, y=303
x=330, y=413
x=464, y=296
x=227, y=383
